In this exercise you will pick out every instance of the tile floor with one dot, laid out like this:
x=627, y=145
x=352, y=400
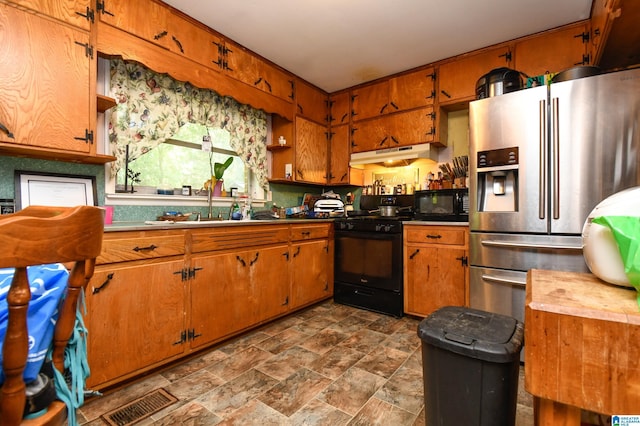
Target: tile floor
x=327, y=365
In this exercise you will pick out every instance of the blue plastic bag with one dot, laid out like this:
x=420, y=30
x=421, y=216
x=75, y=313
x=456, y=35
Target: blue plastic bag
x=48, y=284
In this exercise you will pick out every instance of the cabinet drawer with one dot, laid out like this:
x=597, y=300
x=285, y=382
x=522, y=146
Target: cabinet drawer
x=436, y=235
x=237, y=237
x=144, y=247
x=307, y=232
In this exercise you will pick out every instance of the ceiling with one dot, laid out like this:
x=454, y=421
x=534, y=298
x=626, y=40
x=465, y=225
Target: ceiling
x=335, y=44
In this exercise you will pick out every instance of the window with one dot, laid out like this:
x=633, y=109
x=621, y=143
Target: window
x=181, y=160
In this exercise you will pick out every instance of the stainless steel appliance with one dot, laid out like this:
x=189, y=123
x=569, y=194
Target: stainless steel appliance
x=448, y=205
x=368, y=256
x=541, y=159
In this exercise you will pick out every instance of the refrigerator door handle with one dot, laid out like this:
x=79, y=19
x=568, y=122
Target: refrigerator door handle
x=542, y=175
x=500, y=280
x=509, y=244
x=555, y=169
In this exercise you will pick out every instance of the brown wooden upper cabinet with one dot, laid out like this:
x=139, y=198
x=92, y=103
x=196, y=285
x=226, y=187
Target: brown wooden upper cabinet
x=339, y=108
x=192, y=40
x=36, y=108
x=74, y=12
x=553, y=51
x=243, y=65
x=143, y=18
x=457, y=78
x=400, y=93
x=392, y=131
x=311, y=151
x=311, y=102
x=339, y=155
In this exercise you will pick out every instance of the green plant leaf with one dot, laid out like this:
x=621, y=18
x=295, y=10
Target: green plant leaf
x=219, y=168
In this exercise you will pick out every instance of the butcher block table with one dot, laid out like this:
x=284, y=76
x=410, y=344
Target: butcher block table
x=582, y=347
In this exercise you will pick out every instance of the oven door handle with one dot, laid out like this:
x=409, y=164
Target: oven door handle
x=500, y=280
x=363, y=292
x=493, y=243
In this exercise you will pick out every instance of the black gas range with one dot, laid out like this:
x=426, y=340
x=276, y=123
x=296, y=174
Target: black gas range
x=368, y=256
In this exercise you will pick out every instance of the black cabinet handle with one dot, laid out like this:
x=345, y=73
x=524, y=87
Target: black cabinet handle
x=148, y=248
x=4, y=129
x=434, y=237
x=104, y=284
x=160, y=35
x=414, y=254
x=445, y=93
x=383, y=108
x=177, y=42
x=297, y=252
x=241, y=260
x=255, y=259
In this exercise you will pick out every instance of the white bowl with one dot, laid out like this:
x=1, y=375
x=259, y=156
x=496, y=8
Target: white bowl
x=600, y=249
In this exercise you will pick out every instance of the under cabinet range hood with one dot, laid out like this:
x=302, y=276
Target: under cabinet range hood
x=395, y=156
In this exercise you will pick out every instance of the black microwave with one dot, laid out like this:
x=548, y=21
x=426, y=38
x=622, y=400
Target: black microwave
x=447, y=205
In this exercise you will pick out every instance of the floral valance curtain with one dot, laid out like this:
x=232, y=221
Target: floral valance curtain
x=151, y=107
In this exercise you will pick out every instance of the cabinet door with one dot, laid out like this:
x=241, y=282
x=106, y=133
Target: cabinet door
x=311, y=102
x=413, y=90
x=552, y=51
x=36, y=108
x=311, y=151
x=309, y=272
x=370, y=135
x=275, y=81
x=146, y=19
x=192, y=41
x=74, y=12
x=339, y=147
x=434, y=277
x=371, y=101
x=233, y=291
x=458, y=78
x=135, y=318
x=339, y=108
x=603, y=13
x=413, y=127
x=240, y=63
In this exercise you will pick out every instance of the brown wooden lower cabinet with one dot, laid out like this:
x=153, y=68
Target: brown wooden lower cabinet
x=145, y=311
x=436, y=271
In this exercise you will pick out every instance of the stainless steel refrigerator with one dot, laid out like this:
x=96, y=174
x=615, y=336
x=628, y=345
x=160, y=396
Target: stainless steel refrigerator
x=540, y=160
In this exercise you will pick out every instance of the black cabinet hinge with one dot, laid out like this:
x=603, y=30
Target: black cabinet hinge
x=89, y=16
x=191, y=334
x=88, y=49
x=192, y=272
x=464, y=260
x=88, y=136
x=183, y=338
x=100, y=8
x=585, y=36
x=184, y=274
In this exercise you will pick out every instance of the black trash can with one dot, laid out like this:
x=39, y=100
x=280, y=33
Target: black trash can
x=471, y=362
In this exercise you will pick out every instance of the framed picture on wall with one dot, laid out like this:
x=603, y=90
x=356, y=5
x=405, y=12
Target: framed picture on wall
x=48, y=189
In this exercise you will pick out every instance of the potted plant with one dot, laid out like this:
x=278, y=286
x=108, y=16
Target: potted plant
x=217, y=171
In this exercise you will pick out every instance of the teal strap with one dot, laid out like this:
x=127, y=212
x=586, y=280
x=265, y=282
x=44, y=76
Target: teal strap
x=71, y=391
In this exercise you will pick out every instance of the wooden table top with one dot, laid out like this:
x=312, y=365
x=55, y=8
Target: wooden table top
x=583, y=295
x=582, y=342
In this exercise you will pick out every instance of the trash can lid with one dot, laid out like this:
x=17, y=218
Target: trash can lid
x=474, y=333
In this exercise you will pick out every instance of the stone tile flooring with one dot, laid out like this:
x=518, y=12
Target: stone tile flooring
x=327, y=365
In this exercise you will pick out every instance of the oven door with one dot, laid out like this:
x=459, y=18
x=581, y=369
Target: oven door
x=369, y=259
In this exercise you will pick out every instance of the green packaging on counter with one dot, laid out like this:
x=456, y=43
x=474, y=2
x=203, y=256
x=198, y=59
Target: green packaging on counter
x=626, y=232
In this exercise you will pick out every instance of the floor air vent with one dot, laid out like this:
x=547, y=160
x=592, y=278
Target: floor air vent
x=138, y=409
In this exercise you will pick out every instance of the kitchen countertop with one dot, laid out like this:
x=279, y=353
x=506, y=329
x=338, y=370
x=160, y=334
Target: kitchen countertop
x=433, y=222
x=189, y=224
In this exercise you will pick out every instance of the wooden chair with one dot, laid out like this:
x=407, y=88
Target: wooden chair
x=34, y=236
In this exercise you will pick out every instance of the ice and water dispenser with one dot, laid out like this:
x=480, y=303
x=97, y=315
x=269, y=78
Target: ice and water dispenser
x=497, y=180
